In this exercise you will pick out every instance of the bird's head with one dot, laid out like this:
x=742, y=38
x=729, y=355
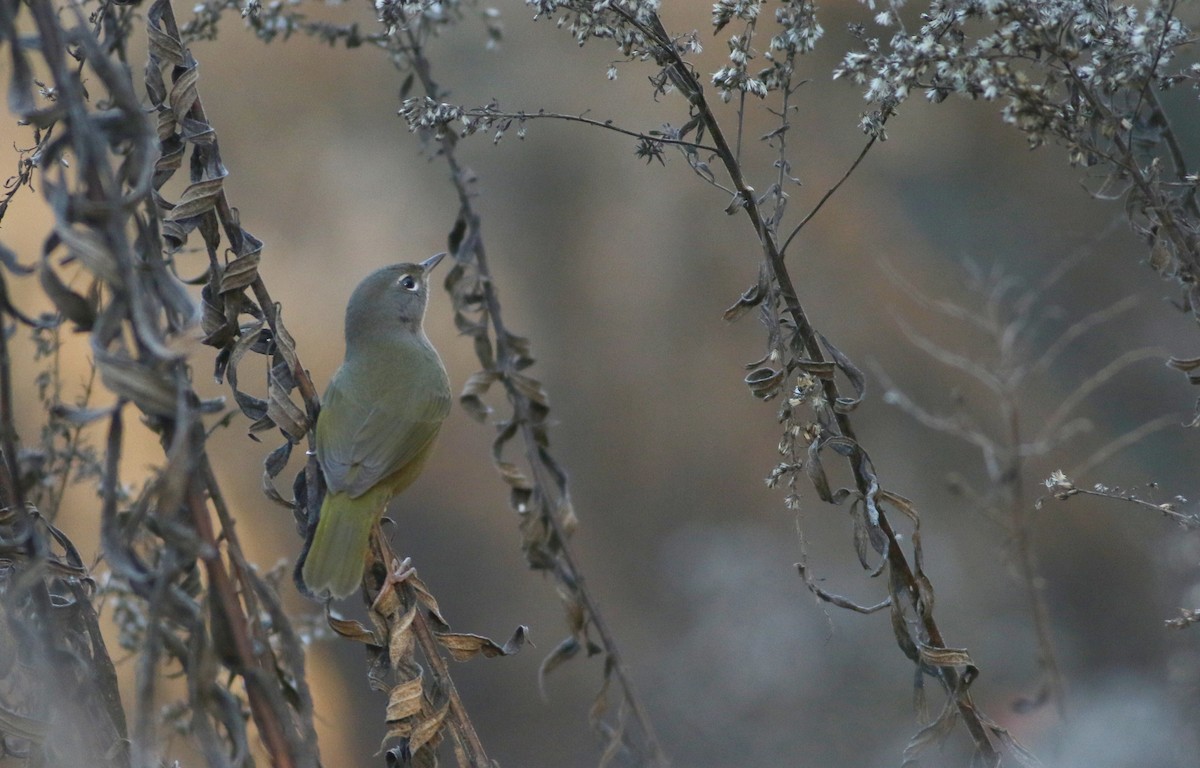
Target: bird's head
x=390, y=299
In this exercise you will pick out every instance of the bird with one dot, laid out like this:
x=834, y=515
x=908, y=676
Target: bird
x=378, y=421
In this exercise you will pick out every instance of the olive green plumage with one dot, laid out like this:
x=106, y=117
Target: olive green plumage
x=378, y=420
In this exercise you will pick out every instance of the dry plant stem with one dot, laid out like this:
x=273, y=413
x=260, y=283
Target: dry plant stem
x=1176, y=230
x=265, y=717
x=1188, y=522
x=266, y=657
x=303, y=378
x=460, y=721
x=464, y=729
x=55, y=498
x=1022, y=536
x=828, y=194
x=1177, y=157
x=267, y=713
x=686, y=79
x=234, y=234
x=474, y=239
x=606, y=124
x=657, y=755
x=10, y=492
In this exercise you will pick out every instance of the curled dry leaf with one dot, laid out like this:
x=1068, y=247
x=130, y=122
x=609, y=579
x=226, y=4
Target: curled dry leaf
x=69, y=304
x=1190, y=366
x=562, y=652
x=464, y=647
x=199, y=198
x=90, y=249
x=945, y=657
x=933, y=734
x=750, y=298
x=284, y=413
x=857, y=380
x=149, y=389
x=241, y=272
x=765, y=383
x=404, y=701
x=474, y=390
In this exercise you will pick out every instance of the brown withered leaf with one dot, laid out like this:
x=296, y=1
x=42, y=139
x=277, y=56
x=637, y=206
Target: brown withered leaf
x=765, y=382
x=7, y=307
x=219, y=330
x=20, y=84
x=945, y=657
x=816, y=471
x=170, y=162
x=1013, y=747
x=464, y=646
x=900, y=628
x=387, y=603
x=522, y=347
x=908, y=509
x=858, y=513
x=285, y=345
x=19, y=726
x=835, y=599
x=820, y=370
x=275, y=463
x=1190, y=366
x=855, y=376
x=183, y=90
x=70, y=305
x=428, y=730
x=351, y=630
x=163, y=45
x=277, y=459
x=473, y=391
x=600, y=704
x=750, y=298
x=405, y=700
x=8, y=257
x=146, y=387
x=89, y=248
x=288, y=416
x=510, y=472
x=80, y=416
x=423, y=596
x=401, y=638
x=199, y=198
x=563, y=652
x=933, y=734
x=241, y=272
x=531, y=389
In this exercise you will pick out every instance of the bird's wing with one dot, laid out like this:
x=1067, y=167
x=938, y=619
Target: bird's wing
x=360, y=443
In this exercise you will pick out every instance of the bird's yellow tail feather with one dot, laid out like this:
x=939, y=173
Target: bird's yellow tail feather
x=335, y=561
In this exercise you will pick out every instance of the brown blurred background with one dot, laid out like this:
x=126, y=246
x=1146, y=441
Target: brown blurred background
x=619, y=271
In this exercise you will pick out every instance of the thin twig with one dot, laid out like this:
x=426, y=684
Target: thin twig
x=606, y=124
x=10, y=491
x=265, y=716
x=902, y=571
x=421, y=67
x=829, y=193
x=460, y=720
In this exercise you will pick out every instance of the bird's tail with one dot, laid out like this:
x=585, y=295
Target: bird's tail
x=335, y=560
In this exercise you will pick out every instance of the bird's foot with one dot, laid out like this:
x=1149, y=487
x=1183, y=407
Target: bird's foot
x=399, y=572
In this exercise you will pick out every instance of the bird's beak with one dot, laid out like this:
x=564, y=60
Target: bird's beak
x=428, y=265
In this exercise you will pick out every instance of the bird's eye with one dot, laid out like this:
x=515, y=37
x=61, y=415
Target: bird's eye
x=408, y=283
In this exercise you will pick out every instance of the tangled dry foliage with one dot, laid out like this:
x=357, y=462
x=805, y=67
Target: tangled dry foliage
x=1084, y=75
x=184, y=593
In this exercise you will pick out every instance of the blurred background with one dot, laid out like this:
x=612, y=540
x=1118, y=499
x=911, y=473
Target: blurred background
x=618, y=271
